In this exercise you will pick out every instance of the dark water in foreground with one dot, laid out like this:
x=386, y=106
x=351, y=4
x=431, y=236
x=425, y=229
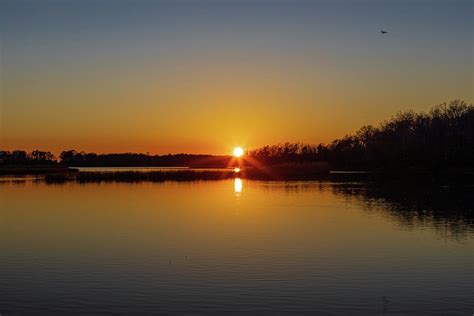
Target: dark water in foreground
x=235, y=246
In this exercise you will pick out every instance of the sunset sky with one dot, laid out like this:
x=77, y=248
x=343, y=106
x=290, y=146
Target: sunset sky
x=205, y=76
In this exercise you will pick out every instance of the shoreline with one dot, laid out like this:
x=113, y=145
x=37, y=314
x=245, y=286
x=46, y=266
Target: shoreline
x=61, y=174
x=13, y=170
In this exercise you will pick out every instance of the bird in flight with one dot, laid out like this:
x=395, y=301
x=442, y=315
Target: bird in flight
x=383, y=32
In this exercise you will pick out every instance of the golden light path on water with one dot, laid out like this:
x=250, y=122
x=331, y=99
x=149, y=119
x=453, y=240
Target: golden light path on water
x=238, y=185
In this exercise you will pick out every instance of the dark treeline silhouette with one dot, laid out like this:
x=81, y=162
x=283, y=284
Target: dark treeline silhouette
x=21, y=157
x=82, y=159
x=442, y=138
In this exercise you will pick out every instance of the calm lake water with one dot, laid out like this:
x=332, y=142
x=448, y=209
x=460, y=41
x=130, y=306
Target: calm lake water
x=235, y=246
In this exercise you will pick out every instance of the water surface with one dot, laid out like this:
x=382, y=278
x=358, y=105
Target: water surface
x=234, y=246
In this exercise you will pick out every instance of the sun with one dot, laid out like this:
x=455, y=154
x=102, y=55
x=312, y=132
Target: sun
x=238, y=152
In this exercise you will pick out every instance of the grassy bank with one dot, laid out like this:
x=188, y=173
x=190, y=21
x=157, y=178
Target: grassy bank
x=277, y=172
x=11, y=170
x=282, y=172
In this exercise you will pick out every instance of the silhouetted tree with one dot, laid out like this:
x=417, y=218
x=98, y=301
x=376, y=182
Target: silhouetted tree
x=21, y=157
x=42, y=157
x=442, y=138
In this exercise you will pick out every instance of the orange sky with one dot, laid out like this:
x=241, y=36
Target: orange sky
x=136, y=79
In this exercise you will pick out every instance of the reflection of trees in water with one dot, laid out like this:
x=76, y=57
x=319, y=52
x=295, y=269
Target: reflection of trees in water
x=448, y=210
x=293, y=186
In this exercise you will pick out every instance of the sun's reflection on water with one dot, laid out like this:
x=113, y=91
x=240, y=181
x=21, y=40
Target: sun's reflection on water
x=238, y=186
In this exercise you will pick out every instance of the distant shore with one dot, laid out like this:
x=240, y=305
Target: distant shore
x=12, y=170
x=282, y=172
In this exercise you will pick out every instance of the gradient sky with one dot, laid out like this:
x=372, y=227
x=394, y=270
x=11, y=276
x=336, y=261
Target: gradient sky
x=204, y=76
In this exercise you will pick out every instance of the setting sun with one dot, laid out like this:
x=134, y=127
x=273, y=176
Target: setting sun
x=238, y=152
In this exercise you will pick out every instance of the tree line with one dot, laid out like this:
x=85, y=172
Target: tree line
x=443, y=137
x=82, y=159
x=440, y=138
x=21, y=157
